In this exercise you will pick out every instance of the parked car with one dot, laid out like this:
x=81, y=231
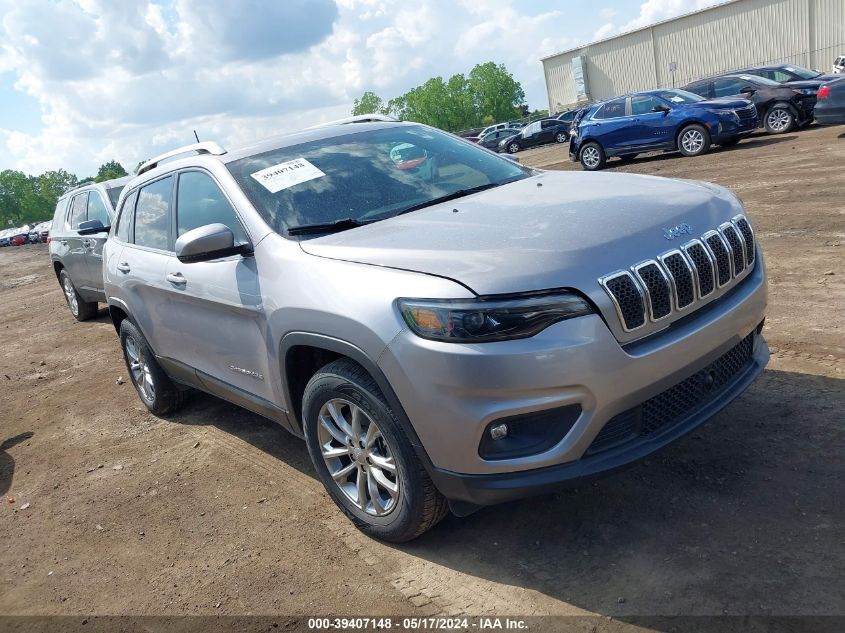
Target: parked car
x=780, y=108
x=839, y=65
x=79, y=229
x=34, y=236
x=19, y=236
x=658, y=120
x=830, y=108
x=440, y=339
x=492, y=139
x=5, y=237
x=493, y=128
x=540, y=132
x=786, y=74
x=567, y=117
x=44, y=235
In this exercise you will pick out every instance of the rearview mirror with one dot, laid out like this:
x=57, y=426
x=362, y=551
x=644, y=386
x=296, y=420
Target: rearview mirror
x=90, y=227
x=211, y=241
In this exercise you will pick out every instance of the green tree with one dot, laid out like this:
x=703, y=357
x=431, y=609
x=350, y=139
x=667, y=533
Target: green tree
x=369, y=103
x=495, y=91
x=110, y=170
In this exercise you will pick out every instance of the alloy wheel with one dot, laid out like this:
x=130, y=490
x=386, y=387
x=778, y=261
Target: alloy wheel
x=140, y=370
x=70, y=295
x=590, y=156
x=692, y=141
x=778, y=119
x=561, y=137
x=514, y=148
x=358, y=457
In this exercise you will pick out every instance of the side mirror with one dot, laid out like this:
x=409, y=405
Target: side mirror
x=661, y=108
x=211, y=241
x=747, y=90
x=90, y=227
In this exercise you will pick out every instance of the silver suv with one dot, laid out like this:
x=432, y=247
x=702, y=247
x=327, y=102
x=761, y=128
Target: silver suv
x=78, y=232
x=445, y=328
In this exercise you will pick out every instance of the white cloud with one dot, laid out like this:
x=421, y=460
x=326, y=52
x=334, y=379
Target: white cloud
x=128, y=79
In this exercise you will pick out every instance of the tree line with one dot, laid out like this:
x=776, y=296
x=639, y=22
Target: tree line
x=488, y=94
x=26, y=199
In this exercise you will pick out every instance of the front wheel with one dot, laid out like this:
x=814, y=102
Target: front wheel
x=513, y=148
x=363, y=457
x=779, y=119
x=592, y=157
x=693, y=140
x=561, y=137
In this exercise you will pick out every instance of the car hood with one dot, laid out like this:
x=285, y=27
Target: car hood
x=553, y=230
x=723, y=103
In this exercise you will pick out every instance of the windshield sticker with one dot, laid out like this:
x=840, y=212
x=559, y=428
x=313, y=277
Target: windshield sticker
x=287, y=174
x=676, y=99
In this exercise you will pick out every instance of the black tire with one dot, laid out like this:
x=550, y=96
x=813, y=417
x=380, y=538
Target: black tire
x=561, y=137
x=627, y=158
x=80, y=309
x=730, y=142
x=779, y=119
x=419, y=506
x=592, y=156
x=513, y=148
x=698, y=132
x=164, y=396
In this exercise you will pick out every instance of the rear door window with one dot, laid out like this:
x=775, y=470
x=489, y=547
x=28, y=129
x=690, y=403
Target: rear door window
x=124, y=222
x=152, y=215
x=97, y=208
x=611, y=110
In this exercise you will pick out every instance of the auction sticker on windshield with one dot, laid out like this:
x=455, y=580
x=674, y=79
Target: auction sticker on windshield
x=287, y=174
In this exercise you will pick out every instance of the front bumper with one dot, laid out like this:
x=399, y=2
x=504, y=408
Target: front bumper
x=451, y=393
x=481, y=490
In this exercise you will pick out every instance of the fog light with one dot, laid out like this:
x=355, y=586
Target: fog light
x=498, y=432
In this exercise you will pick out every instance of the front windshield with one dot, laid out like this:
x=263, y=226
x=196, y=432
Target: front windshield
x=679, y=96
x=804, y=73
x=365, y=176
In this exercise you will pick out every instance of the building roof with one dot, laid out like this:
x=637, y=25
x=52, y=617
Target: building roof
x=637, y=30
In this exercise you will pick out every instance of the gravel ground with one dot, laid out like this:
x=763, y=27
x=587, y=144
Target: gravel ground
x=216, y=511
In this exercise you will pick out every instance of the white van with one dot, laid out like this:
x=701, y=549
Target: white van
x=839, y=65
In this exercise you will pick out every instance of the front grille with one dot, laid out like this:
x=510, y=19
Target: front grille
x=749, y=112
x=676, y=279
x=673, y=406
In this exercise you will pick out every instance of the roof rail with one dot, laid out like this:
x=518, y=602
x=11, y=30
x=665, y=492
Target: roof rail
x=358, y=118
x=206, y=147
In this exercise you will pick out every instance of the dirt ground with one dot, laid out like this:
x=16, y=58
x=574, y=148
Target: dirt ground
x=217, y=511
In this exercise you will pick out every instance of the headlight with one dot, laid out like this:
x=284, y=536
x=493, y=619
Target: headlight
x=805, y=91
x=492, y=318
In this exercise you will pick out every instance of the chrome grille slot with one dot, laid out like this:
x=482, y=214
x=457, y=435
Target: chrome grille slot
x=681, y=276
x=627, y=297
x=737, y=246
x=721, y=256
x=704, y=269
x=658, y=296
x=748, y=235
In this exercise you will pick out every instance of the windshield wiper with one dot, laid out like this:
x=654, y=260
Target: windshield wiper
x=326, y=227
x=460, y=193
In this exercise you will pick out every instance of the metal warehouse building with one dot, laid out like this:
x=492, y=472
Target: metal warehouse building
x=733, y=35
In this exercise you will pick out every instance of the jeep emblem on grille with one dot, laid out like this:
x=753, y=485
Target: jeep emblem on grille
x=675, y=231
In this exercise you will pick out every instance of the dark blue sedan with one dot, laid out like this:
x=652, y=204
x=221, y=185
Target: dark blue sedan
x=658, y=120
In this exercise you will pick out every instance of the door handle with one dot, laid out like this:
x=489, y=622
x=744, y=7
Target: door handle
x=176, y=278
x=123, y=267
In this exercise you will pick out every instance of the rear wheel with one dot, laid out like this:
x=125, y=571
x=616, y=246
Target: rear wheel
x=693, y=140
x=154, y=387
x=779, y=119
x=592, y=157
x=363, y=457
x=81, y=310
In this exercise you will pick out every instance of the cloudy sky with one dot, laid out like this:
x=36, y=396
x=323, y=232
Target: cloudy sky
x=85, y=81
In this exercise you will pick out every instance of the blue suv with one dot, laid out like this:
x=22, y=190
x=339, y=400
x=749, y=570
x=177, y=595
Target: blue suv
x=658, y=120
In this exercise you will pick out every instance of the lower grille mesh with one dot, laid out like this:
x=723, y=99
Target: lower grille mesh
x=673, y=406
